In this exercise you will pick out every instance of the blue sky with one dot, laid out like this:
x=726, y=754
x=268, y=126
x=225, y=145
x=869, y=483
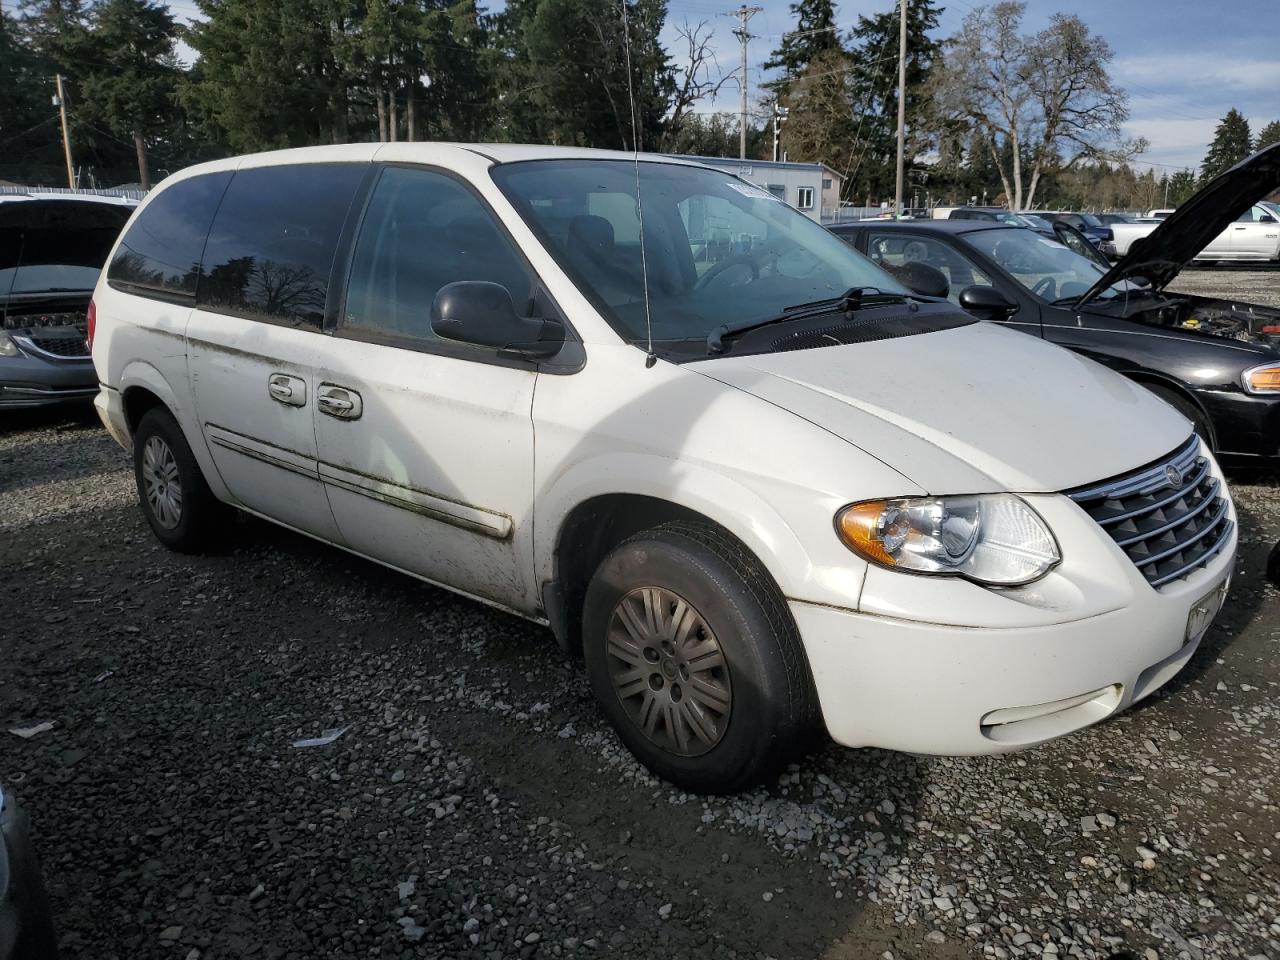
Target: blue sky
x=1183, y=62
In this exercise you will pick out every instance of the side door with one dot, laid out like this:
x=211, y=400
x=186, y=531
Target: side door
x=426, y=445
x=254, y=336
x=1255, y=235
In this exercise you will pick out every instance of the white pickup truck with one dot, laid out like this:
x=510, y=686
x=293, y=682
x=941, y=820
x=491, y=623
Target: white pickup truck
x=1255, y=235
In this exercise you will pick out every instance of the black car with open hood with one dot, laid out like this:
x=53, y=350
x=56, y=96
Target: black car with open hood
x=1216, y=360
x=52, y=248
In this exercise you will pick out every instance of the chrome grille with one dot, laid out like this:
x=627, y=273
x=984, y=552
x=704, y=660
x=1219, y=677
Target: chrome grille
x=1170, y=518
x=67, y=345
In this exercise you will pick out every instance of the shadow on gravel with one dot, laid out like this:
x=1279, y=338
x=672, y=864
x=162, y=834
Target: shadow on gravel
x=69, y=416
x=763, y=867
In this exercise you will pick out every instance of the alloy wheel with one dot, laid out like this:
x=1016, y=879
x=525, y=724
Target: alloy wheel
x=160, y=482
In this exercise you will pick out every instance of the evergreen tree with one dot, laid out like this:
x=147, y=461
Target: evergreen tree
x=275, y=73
x=1231, y=144
x=815, y=35
x=128, y=79
x=1268, y=135
x=28, y=122
x=563, y=72
x=874, y=91
x=1182, y=186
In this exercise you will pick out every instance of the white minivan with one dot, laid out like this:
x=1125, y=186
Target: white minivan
x=753, y=480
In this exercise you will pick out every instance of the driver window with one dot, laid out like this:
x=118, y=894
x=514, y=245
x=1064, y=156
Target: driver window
x=719, y=231
x=894, y=251
x=421, y=231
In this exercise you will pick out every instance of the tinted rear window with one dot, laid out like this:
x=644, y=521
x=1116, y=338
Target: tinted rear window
x=161, y=251
x=273, y=241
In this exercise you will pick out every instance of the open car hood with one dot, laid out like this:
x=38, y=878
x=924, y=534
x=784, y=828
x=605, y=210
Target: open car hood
x=1162, y=254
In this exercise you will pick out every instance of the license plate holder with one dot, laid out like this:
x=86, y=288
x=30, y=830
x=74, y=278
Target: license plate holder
x=1204, y=610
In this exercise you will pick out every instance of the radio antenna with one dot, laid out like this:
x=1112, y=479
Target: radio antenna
x=650, y=357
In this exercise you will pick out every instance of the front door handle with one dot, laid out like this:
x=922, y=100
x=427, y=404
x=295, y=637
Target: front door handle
x=340, y=402
x=291, y=391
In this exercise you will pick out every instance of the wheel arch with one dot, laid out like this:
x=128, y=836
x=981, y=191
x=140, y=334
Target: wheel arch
x=599, y=521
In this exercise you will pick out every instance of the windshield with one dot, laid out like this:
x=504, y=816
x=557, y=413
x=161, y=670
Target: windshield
x=717, y=251
x=1090, y=220
x=1036, y=223
x=1045, y=267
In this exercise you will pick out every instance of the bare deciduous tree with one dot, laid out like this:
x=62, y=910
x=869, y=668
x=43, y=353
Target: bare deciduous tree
x=1038, y=102
x=697, y=77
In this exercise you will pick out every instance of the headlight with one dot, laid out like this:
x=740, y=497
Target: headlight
x=7, y=347
x=1263, y=379
x=996, y=539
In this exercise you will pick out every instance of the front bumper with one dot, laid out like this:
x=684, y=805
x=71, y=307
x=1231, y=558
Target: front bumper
x=26, y=925
x=33, y=381
x=931, y=688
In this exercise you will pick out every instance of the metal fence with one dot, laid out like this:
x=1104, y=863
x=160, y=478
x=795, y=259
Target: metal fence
x=844, y=214
x=106, y=192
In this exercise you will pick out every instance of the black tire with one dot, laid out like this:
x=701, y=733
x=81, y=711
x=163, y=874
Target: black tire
x=1188, y=409
x=772, y=702
x=200, y=516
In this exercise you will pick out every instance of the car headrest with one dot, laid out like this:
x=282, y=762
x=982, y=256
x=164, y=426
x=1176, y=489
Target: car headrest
x=592, y=234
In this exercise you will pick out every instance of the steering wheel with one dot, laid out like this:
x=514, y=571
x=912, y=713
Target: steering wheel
x=741, y=260
x=1045, y=288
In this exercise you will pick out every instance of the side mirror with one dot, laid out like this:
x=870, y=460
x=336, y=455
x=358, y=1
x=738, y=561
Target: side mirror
x=482, y=314
x=987, y=303
x=921, y=278
x=1266, y=218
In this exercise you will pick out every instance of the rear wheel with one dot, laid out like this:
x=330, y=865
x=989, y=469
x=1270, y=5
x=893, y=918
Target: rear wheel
x=694, y=658
x=1189, y=410
x=183, y=512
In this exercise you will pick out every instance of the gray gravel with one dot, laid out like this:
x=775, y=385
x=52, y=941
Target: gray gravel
x=477, y=806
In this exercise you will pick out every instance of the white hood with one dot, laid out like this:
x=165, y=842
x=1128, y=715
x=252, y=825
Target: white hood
x=974, y=409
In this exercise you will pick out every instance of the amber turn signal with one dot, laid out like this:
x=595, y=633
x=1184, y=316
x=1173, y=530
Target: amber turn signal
x=1263, y=380
x=859, y=527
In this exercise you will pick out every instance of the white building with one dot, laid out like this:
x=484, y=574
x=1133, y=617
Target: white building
x=809, y=187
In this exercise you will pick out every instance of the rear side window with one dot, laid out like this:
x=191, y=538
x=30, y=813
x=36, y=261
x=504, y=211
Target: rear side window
x=273, y=241
x=160, y=253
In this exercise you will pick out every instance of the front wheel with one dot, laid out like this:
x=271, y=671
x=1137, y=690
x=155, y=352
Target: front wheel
x=694, y=658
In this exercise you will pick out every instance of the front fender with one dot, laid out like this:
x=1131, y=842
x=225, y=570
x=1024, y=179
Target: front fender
x=775, y=529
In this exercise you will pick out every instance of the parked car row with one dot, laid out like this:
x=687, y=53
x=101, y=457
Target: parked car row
x=1216, y=361
x=1253, y=235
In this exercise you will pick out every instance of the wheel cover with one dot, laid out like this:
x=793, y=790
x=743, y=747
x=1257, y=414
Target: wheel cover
x=669, y=671
x=160, y=482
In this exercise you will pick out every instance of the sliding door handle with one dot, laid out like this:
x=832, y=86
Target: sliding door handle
x=340, y=402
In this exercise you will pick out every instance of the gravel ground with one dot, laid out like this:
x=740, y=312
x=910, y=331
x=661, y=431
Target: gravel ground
x=1250, y=284
x=476, y=806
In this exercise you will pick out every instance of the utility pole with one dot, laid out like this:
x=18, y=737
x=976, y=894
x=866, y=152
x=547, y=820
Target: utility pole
x=902, y=106
x=743, y=13
x=60, y=101
x=779, y=117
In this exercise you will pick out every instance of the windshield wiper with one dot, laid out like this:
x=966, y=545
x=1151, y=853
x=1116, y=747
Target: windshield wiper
x=847, y=302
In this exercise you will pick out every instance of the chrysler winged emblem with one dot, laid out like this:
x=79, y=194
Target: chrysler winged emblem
x=1173, y=475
